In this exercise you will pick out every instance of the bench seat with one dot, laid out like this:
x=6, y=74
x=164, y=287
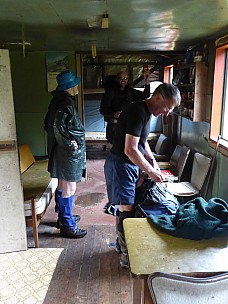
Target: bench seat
x=38, y=188
x=38, y=184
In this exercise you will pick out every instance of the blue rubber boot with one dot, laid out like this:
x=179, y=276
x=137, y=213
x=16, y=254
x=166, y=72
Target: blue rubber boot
x=65, y=211
x=58, y=195
x=69, y=228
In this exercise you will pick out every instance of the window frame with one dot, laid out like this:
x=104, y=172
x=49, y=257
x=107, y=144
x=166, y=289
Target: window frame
x=224, y=117
x=168, y=74
x=217, y=98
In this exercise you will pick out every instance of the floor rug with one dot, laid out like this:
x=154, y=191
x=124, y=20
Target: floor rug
x=25, y=276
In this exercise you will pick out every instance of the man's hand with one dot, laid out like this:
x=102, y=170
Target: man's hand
x=146, y=76
x=156, y=176
x=117, y=114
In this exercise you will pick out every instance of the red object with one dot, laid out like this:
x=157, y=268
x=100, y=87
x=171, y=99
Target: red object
x=167, y=173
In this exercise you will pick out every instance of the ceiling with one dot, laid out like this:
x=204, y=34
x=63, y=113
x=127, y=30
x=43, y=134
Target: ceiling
x=134, y=25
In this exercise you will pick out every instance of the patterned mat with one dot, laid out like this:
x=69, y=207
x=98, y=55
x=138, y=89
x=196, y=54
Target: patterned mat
x=26, y=275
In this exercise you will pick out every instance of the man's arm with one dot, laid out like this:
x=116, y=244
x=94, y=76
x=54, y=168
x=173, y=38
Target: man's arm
x=150, y=157
x=141, y=95
x=133, y=153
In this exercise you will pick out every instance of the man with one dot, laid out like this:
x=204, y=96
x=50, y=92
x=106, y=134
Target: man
x=66, y=150
x=131, y=152
x=117, y=97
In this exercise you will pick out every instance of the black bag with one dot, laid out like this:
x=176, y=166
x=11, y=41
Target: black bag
x=109, y=84
x=153, y=198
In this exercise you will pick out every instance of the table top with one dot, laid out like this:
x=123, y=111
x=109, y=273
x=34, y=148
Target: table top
x=151, y=250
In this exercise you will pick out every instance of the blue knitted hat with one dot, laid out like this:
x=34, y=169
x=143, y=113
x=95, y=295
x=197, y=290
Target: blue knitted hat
x=66, y=80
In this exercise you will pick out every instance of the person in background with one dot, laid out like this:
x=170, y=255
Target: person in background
x=131, y=152
x=117, y=97
x=66, y=150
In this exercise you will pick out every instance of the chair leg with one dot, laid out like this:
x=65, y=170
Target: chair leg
x=34, y=224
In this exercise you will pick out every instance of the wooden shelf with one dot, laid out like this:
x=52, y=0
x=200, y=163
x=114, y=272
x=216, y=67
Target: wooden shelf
x=94, y=91
x=197, y=88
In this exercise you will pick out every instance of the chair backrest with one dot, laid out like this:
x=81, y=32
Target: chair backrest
x=172, y=288
x=161, y=144
x=200, y=168
x=182, y=160
x=175, y=156
x=26, y=157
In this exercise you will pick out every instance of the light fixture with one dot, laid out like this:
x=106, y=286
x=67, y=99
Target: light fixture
x=94, y=50
x=104, y=21
x=94, y=22
x=104, y=18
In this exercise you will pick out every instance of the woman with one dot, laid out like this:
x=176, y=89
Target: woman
x=66, y=150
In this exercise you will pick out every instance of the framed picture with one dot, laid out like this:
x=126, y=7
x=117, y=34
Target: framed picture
x=55, y=63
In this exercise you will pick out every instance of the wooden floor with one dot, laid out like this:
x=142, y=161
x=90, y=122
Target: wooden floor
x=88, y=269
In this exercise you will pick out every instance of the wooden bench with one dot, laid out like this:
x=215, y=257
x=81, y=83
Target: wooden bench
x=38, y=188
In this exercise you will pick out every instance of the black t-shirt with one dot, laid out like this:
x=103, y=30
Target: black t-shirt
x=134, y=120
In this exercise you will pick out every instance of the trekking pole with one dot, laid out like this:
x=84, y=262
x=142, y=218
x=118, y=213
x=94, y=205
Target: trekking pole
x=212, y=165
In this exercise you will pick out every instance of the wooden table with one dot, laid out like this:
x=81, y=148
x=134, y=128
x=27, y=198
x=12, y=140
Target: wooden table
x=151, y=250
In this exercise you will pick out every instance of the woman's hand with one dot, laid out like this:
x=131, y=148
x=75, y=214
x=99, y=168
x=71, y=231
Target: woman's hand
x=75, y=144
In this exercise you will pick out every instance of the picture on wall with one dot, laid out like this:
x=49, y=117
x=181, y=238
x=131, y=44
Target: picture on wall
x=55, y=63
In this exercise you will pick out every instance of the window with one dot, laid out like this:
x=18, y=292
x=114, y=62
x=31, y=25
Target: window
x=224, y=124
x=219, y=113
x=168, y=74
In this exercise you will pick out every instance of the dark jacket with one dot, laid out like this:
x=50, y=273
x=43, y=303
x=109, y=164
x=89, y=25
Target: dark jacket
x=196, y=219
x=48, y=125
x=64, y=125
x=116, y=99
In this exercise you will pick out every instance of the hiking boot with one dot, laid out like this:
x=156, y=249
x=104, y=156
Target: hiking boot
x=75, y=217
x=118, y=248
x=72, y=233
x=124, y=263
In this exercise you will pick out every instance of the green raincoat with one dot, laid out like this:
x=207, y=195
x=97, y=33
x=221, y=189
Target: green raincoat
x=64, y=125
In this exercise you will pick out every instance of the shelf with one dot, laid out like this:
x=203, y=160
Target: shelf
x=192, y=94
x=94, y=91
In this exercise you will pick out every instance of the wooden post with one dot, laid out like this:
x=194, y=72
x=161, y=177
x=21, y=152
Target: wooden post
x=79, y=72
